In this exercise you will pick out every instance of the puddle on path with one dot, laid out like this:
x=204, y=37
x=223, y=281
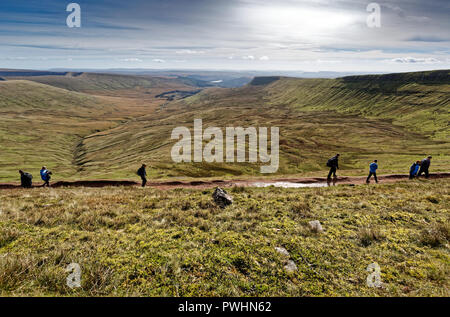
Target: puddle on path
x=291, y=185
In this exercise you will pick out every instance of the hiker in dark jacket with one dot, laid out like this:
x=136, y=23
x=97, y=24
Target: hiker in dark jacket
x=143, y=174
x=373, y=171
x=333, y=164
x=425, y=166
x=414, y=169
x=25, y=179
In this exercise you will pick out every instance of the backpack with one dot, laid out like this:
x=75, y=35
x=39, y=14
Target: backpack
x=27, y=180
x=330, y=162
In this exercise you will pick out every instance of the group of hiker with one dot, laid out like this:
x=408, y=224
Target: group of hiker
x=420, y=167
x=417, y=169
x=26, y=179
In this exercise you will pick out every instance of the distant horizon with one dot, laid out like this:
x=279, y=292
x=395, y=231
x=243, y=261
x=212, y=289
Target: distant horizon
x=83, y=69
x=256, y=73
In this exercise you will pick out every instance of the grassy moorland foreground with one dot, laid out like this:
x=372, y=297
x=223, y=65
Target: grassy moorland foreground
x=147, y=242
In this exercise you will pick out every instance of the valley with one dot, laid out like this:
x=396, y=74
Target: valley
x=90, y=126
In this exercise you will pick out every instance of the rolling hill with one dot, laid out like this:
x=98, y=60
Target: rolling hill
x=98, y=83
x=43, y=124
x=419, y=101
x=116, y=123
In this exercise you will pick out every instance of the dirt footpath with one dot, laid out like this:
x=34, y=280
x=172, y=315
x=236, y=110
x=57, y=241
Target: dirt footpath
x=200, y=184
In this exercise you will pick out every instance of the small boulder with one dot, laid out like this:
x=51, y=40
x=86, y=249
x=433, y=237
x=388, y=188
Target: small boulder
x=283, y=251
x=222, y=198
x=291, y=267
x=315, y=226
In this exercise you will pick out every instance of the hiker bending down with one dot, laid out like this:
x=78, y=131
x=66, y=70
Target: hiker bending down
x=45, y=176
x=143, y=174
x=25, y=179
x=373, y=171
x=333, y=164
x=425, y=166
x=414, y=170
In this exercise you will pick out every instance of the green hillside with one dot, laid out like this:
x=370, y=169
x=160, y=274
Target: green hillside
x=43, y=125
x=397, y=119
x=93, y=82
x=418, y=101
x=364, y=118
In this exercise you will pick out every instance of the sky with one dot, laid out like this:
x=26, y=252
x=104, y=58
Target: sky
x=288, y=35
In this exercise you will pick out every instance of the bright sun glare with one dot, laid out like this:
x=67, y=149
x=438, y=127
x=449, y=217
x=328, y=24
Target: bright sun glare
x=295, y=21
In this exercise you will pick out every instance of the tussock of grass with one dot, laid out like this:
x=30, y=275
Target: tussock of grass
x=369, y=235
x=301, y=209
x=7, y=236
x=436, y=235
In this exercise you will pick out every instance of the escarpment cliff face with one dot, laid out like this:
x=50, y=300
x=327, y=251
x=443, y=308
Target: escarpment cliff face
x=419, y=101
x=436, y=77
x=261, y=81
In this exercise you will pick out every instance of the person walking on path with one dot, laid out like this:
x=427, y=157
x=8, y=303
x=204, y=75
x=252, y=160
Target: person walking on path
x=373, y=171
x=425, y=166
x=45, y=176
x=26, y=179
x=333, y=164
x=414, y=169
x=143, y=174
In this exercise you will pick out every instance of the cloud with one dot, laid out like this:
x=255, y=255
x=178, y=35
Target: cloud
x=431, y=39
x=418, y=19
x=133, y=60
x=414, y=60
x=399, y=11
x=248, y=57
x=402, y=13
x=320, y=61
x=157, y=60
x=189, y=52
x=16, y=58
x=264, y=58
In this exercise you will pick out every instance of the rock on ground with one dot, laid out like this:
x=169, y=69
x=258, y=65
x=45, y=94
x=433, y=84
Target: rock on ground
x=291, y=267
x=222, y=198
x=316, y=226
x=282, y=251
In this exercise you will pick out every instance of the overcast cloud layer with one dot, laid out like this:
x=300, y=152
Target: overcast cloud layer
x=317, y=35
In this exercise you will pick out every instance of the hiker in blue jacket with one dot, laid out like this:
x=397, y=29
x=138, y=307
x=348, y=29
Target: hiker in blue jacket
x=414, y=170
x=373, y=171
x=45, y=176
